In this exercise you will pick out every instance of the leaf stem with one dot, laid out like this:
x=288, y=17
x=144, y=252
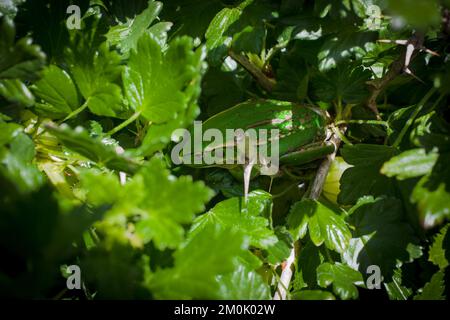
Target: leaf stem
x=414, y=115
x=273, y=51
x=338, y=106
x=374, y=122
x=341, y=136
x=130, y=120
x=75, y=112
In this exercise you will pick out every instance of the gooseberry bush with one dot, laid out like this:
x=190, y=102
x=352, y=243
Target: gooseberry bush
x=92, y=91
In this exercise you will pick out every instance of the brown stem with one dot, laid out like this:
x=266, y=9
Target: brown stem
x=264, y=81
x=396, y=68
x=316, y=190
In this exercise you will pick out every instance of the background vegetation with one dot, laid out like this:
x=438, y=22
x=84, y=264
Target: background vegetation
x=86, y=118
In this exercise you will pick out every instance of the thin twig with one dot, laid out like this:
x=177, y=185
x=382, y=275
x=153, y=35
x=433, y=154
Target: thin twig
x=396, y=68
x=316, y=190
x=285, y=278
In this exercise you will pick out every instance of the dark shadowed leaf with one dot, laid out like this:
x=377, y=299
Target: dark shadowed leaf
x=381, y=236
x=364, y=178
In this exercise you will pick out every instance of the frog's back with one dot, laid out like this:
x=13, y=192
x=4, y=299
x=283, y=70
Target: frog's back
x=267, y=114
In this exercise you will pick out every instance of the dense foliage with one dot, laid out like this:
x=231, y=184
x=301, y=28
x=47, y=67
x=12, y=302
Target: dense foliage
x=86, y=123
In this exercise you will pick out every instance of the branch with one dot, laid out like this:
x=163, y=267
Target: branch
x=316, y=190
x=412, y=45
x=264, y=81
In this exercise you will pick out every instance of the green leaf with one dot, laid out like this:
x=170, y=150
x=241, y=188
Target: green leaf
x=117, y=271
x=323, y=224
x=312, y=295
x=433, y=290
x=381, y=236
x=250, y=39
x=20, y=61
x=345, y=45
x=100, y=188
x=8, y=131
x=433, y=206
x=197, y=267
x=221, y=89
x=79, y=140
x=251, y=219
x=309, y=259
x=161, y=217
x=9, y=7
x=217, y=38
x=148, y=198
x=440, y=249
x=96, y=73
x=243, y=284
x=191, y=17
x=242, y=28
x=164, y=86
x=16, y=161
x=155, y=80
x=39, y=237
x=344, y=83
x=364, y=177
x=293, y=78
x=410, y=164
x=16, y=91
x=281, y=250
x=342, y=277
x=422, y=13
x=126, y=35
x=396, y=289
x=440, y=175
x=57, y=93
